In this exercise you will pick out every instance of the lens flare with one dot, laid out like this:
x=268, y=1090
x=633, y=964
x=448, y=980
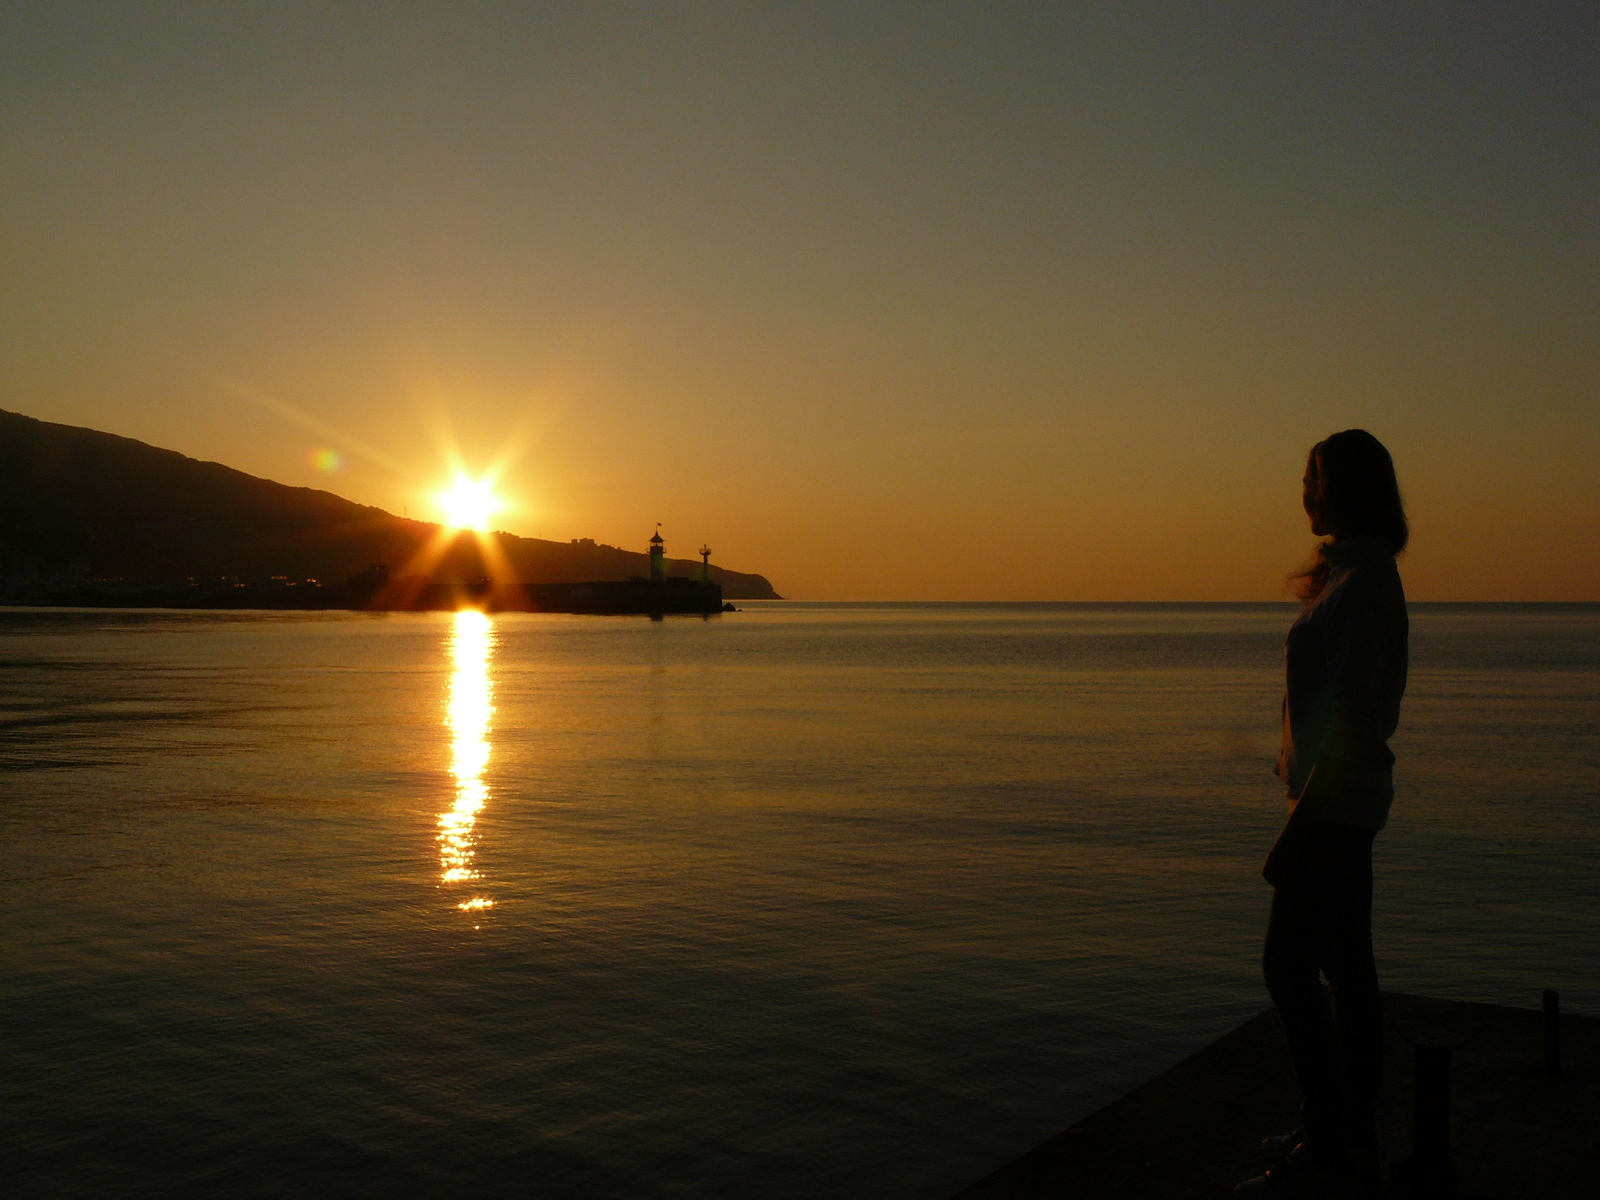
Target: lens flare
x=326, y=459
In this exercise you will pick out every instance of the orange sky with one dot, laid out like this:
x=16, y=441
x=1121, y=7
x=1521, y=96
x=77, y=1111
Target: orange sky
x=1032, y=302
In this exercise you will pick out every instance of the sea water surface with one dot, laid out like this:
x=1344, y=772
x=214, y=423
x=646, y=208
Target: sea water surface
x=808, y=900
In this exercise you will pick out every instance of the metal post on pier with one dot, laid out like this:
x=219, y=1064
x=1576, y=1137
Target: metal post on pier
x=1431, y=1169
x=1552, y=1032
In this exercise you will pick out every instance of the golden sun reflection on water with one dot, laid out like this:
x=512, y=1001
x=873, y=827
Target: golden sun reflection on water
x=467, y=716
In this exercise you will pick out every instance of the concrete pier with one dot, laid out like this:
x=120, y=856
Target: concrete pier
x=1518, y=1128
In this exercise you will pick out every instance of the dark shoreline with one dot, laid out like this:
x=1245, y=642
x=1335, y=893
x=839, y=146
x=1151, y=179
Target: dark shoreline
x=605, y=597
x=1194, y=1130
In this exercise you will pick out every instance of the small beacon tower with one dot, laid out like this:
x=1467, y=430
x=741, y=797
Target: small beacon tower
x=658, y=558
x=705, y=564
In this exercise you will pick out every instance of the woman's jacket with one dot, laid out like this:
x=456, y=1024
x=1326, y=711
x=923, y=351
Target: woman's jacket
x=1345, y=661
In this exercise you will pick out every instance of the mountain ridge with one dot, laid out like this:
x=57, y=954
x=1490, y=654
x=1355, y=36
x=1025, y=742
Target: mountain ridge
x=79, y=502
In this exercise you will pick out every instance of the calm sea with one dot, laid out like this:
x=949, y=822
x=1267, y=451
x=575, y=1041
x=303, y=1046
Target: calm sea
x=809, y=900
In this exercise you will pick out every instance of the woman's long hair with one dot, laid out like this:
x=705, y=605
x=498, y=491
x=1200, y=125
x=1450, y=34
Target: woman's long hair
x=1350, y=491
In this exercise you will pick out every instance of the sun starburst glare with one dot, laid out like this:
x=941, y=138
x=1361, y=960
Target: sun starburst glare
x=470, y=503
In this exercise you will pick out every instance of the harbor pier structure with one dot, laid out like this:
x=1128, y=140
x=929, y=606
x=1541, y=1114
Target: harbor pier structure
x=658, y=595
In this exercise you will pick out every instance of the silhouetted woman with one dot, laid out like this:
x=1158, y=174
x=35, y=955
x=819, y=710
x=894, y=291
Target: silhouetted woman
x=1346, y=667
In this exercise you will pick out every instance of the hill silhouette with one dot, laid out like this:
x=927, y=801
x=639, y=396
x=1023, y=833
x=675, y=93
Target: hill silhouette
x=79, y=503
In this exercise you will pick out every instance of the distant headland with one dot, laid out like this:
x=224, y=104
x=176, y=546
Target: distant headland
x=92, y=518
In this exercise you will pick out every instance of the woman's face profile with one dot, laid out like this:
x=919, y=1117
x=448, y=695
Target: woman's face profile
x=1308, y=491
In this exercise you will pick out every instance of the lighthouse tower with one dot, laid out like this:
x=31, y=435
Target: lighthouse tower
x=658, y=558
x=705, y=564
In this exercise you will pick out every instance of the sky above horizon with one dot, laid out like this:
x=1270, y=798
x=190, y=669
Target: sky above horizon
x=882, y=301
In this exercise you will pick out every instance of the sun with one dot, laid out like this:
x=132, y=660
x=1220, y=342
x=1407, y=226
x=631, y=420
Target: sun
x=469, y=503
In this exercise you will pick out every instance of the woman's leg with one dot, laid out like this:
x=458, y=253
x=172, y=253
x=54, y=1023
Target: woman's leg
x=1291, y=963
x=1353, y=983
x=1321, y=923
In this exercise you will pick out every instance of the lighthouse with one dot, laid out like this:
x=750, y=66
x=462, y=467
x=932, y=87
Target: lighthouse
x=658, y=558
x=705, y=564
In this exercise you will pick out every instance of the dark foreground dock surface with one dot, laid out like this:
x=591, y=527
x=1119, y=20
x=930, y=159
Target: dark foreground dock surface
x=1195, y=1130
